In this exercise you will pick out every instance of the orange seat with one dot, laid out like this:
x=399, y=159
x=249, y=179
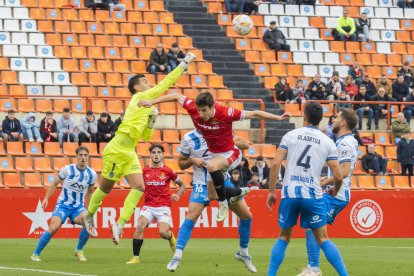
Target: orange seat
x=113, y=79
x=215, y=81
x=104, y=65
x=48, y=178
x=95, y=52
x=122, y=92
x=9, y=77
x=60, y=162
x=33, y=148
x=86, y=15
x=391, y=72
x=25, y=105
x=45, y=26
x=383, y=139
x=111, y=28
x=70, y=14
x=187, y=179
x=62, y=51
x=60, y=104
x=258, y=44
x=294, y=70
x=15, y=148
x=215, y=7
x=138, y=67
x=87, y=65
x=12, y=180
x=401, y=182
x=352, y=47
x=166, y=17
x=252, y=56
x=69, y=148
x=156, y=137
x=102, y=146
x=337, y=46
x=391, y=152
x=93, y=150
x=242, y=44
x=362, y=150
x=270, y=56
x=398, y=48
x=143, y=149
x=366, y=182
x=294, y=109
x=268, y=151
x=378, y=59
x=198, y=81
x=252, y=152
x=102, y=15
x=120, y=40
x=103, y=41
x=115, y=107
x=171, y=136
x=168, y=108
x=129, y=53
x=172, y=164
x=402, y=36
x=156, y=5
x=383, y=182
x=6, y=164
x=282, y=57
x=368, y=47
x=262, y=69
x=97, y=164
x=71, y=65
x=42, y=164
x=326, y=34
x=347, y=58
x=24, y=164
x=36, y=13
x=374, y=71
x=354, y=184
x=150, y=17
x=205, y=68
x=144, y=53
x=52, y=149
x=363, y=59
x=327, y=110
x=70, y=39
x=32, y=180
x=79, y=106
x=96, y=79
x=62, y=27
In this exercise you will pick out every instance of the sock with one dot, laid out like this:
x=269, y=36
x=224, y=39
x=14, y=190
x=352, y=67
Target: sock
x=83, y=239
x=136, y=246
x=172, y=235
x=230, y=192
x=96, y=201
x=43, y=241
x=146, y=136
x=313, y=249
x=218, y=180
x=244, y=235
x=334, y=257
x=130, y=203
x=184, y=236
x=278, y=254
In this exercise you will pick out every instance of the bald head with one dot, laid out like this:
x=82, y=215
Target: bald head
x=400, y=117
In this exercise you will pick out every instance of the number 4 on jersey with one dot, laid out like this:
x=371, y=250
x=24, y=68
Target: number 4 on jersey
x=300, y=162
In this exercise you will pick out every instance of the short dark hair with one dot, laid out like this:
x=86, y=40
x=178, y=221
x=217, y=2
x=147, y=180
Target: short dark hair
x=255, y=174
x=134, y=81
x=204, y=99
x=313, y=113
x=235, y=171
x=174, y=45
x=89, y=112
x=79, y=149
x=11, y=111
x=104, y=115
x=350, y=117
x=259, y=158
x=153, y=146
x=406, y=63
x=49, y=113
x=364, y=13
x=66, y=109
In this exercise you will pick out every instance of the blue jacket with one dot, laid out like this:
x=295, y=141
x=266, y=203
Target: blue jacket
x=11, y=126
x=27, y=124
x=405, y=152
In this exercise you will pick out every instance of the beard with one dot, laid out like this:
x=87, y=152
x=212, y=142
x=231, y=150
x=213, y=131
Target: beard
x=335, y=129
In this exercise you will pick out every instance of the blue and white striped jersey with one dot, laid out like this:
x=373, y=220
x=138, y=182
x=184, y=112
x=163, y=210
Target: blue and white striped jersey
x=347, y=147
x=307, y=151
x=194, y=146
x=75, y=185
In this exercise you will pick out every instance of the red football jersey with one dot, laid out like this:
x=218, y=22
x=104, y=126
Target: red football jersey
x=218, y=130
x=157, y=186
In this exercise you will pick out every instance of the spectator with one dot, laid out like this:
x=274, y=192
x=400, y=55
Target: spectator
x=405, y=153
x=245, y=173
x=351, y=88
x=407, y=73
x=262, y=169
x=345, y=101
x=106, y=128
x=373, y=162
x=383, y=82
x=235, y=178
x=299, y=92
x=158, y=61
x=329, y=126
x=283, y=91
x=409, y=107
x=254, y=183
x=234, y=6
x=252, y=6
x=316, y=89
x=30, y=128
x=400, y=90
x=369, y=85
x=334, y=86
x=405, y=4
x=114, y=5
x=345, y=28
x=119, y=121
x=275, y=38
x=66, y=127
x=48, y=128
x=399, y=127
x=11, y=128
x=88, y=127
x=97, y=4
x=356, y=72
x=362, y=27
x=362, y=108
x=175, y=56
x=380, y=109
x=306, y=2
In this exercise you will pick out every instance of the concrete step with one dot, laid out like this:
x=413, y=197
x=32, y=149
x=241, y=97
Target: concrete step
x=186, y=9
x=213, y=45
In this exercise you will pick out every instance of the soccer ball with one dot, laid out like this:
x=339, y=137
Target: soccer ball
x=242, y=24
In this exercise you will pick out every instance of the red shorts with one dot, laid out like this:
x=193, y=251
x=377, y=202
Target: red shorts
x=233, y=157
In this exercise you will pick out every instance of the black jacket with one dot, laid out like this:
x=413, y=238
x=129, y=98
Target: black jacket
x=400, y=90
x=367, y=161
x=171, y=55
x=105, y=128
x=359, y=97
x=288, y=95
x=331, y=85
x=405, y=152
x=318, y=93
x=157, y=60
x=272, y=36
x=371, y=88
x=359, y=24
x=410, y=102
x=266, y=171
x=11, y=126
x=43, y=133
x=377, y=98
x=117, y=123
x=409, y=80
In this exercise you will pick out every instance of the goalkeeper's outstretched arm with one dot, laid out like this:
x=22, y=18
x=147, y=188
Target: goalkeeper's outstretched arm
x=164, y=99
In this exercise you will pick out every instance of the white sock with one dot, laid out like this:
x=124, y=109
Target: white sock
x=178, y=253
x=314, y=269
x=244, y=251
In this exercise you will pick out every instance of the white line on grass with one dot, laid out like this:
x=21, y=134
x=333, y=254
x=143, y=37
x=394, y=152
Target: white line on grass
x=43, y=271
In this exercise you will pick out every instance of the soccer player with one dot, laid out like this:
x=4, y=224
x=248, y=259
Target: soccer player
x=77, y=184
x=120, y=158
x=157, y=205
x=347, y=147
x=307, y=149
x=214, y=121
x=194, y=152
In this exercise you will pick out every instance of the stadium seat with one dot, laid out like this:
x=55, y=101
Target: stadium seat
x=15, y=148
x=97, y=164
x=383, y=182
x=69, y=148
x=171, y=136
x=42, y=164
x=252, y=152
x=52, y=149
x=32, y=180
x=354, y=183
x=60, y=162
x=268, y=151
x=391, y=152
x=382, y=139
x=143, y=149
x=12, y=180
x=172, y=164
x=401, y=182
x=33, y=148
x=48, y=178
x=187, y=179
x=366, y=182
x=362, y=150
x=244, y=134
x=92, y=147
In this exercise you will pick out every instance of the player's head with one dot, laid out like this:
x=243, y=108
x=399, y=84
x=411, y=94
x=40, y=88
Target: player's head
x=82, y=156
x=156, y=153
x=346, y=119
x=205, y=102
x=313, y=113
x=138, y=83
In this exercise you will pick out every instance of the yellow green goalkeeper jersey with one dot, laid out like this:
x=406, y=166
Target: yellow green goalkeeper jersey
x=136, y=118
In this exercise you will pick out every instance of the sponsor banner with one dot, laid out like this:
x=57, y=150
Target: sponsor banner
x=388, y=214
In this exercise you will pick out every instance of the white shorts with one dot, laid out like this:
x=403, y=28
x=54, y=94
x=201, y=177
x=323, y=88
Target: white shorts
x=161, y=214
x=233, y=157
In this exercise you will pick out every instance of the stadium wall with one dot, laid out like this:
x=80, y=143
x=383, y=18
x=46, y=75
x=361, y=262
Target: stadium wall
x=384, y=214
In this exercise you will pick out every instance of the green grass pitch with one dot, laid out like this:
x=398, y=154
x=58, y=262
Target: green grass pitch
x=203, y=257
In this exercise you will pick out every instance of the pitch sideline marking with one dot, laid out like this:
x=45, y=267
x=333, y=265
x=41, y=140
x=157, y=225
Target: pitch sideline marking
x=44, y=271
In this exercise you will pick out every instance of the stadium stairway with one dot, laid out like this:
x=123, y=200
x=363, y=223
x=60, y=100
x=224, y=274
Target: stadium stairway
x=220, y=50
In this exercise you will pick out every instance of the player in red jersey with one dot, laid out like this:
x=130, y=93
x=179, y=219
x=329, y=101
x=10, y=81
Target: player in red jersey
x=215, y=121
x=157, y=204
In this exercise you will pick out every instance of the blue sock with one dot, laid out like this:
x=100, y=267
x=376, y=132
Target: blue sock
x=244, y=232
x=184, y=234
x=278, y=254
x=43, y=241
x=334, y=257
x=313, y=249
x=83, y=239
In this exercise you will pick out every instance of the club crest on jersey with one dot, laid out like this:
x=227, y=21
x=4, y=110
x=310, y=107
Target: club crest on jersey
x=162, y=175
x=214, y=122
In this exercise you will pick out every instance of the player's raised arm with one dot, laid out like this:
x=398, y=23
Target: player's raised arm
x=258, y=114
x=337, y=176
x=274, y=175
x=164, y=99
